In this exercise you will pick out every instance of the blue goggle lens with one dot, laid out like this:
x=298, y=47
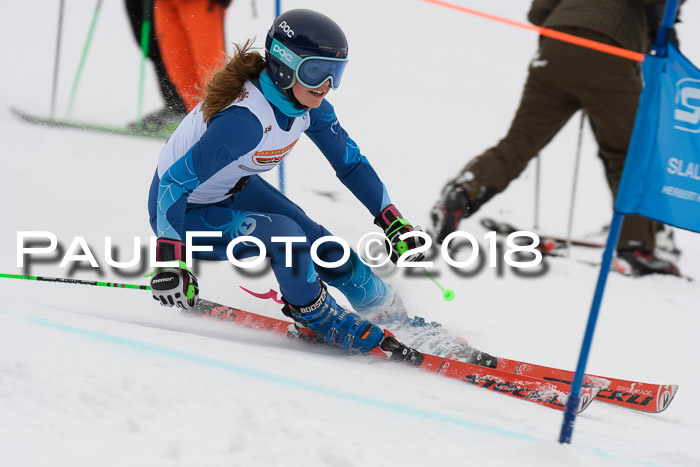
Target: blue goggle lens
x=315, y=71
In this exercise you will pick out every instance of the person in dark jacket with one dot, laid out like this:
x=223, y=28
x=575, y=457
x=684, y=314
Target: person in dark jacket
x=563, y=79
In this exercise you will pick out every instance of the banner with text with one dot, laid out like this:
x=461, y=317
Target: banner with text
x=661, y=179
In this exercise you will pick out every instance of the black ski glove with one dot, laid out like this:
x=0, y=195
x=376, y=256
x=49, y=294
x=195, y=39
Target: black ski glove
x=176, y=285
x=394, y=226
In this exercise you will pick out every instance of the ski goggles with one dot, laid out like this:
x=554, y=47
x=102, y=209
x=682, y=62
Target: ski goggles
x=312, y=72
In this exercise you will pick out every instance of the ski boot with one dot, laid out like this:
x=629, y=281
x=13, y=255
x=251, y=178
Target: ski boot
x=640, y=263
x=331, y=324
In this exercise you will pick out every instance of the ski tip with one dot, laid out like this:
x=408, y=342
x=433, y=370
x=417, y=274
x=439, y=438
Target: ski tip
x=665, y=396
x=586, y=398
x=20, y=114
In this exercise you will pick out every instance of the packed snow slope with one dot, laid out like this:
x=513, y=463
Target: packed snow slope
x=97, y=376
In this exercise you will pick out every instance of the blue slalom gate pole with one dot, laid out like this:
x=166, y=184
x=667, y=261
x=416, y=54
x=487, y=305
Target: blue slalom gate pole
x=666, y=24
x=567, y=427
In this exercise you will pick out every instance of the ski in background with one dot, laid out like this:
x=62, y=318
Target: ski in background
x=665, y=242
x=162, y=133
x=666, y=246
x=557, y=247
x=547, y=242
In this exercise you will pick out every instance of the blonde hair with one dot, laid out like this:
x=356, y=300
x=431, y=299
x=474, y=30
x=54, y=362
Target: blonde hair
x=227, y=84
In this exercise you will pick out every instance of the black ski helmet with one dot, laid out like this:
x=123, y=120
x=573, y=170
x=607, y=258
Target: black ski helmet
x=304, y=33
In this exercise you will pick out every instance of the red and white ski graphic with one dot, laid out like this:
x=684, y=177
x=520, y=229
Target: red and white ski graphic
x=552, y=394
x=645, y=397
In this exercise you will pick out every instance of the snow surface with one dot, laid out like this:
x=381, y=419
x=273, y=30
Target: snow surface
x=93, y=376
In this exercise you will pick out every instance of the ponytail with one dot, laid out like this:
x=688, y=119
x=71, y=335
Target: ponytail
x=227, y=84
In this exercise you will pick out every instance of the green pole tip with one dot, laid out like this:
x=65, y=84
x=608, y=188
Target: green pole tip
x=448, y=295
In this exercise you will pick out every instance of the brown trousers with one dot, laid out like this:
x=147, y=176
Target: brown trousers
x=563, y=79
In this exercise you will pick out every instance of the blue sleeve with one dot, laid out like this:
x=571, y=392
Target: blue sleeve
x=230, y=134
x=351, y=167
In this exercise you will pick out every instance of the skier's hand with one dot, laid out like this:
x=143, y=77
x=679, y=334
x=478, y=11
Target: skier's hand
x=394, y=226
x=175, y=285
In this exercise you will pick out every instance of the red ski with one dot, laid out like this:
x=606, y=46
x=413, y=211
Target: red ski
x=531, y=382
x=550, y=393
x=646, y=397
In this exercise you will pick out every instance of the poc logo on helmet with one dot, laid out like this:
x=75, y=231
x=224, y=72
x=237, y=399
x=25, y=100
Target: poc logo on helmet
x=286, y=28
x=281, y=53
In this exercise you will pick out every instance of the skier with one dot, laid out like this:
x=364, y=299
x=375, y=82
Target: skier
x=207, y=179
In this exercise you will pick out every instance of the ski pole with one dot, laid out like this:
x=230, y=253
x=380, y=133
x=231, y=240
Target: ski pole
x=145, y=44
x=59, y=35
x=573, y=186
x=447, y=294
x=66, y=280
x=83, y=58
